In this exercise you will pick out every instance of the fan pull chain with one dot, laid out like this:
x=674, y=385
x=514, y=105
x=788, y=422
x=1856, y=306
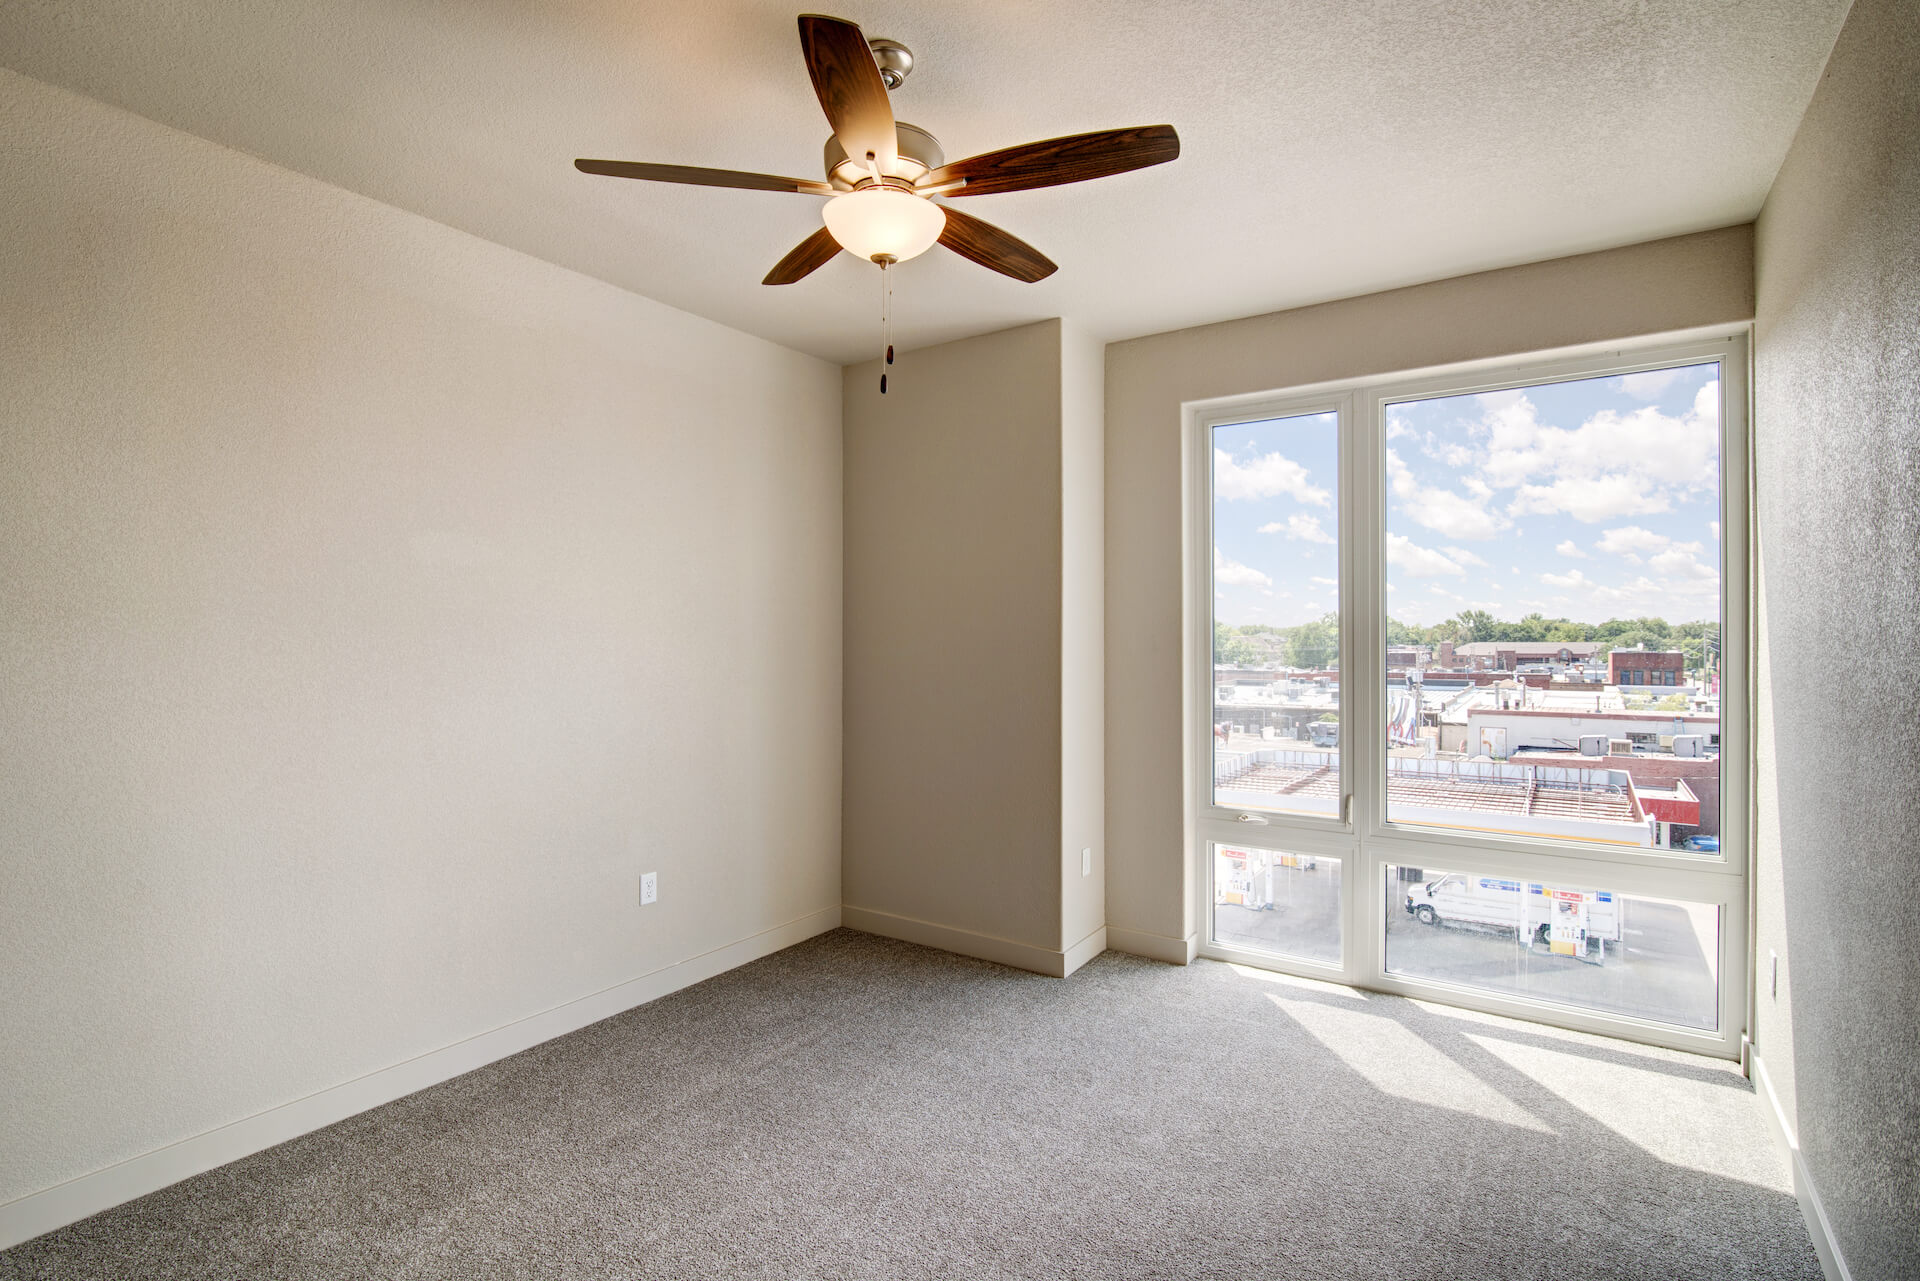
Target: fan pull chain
x=886, y=316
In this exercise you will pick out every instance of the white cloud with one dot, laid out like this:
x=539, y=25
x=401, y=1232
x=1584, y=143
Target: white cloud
x=1571, y=549
x=1685, y=588
x=1441, y=510
x=1267, y=476
x=1714, y=525
x=1464, y=557
x=1610, y=466
x=1646, y=386
x=1452, y=453
x=1590, y=498
x=1234, y=574
x=1681, y=561
x=1631, y=541
x=1302, y=526
x=1421, y=562
x=1324, y=582
x=1397, y=427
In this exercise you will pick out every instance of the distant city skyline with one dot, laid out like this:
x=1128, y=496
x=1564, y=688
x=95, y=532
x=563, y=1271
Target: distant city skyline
x=1591, y=499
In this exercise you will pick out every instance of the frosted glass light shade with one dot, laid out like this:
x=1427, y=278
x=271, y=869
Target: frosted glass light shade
x=880, y=221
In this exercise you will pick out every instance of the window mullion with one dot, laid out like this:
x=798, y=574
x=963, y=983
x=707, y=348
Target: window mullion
x=1363, y=632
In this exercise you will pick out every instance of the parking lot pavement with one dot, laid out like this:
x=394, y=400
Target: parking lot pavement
x=1663, y=967
x=1303, y=921
x=1658, y=970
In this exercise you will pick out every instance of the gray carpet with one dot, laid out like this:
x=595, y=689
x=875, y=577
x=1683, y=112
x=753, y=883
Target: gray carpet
x=856, y=1107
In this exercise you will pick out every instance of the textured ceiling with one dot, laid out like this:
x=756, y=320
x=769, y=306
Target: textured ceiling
x=1329, y=149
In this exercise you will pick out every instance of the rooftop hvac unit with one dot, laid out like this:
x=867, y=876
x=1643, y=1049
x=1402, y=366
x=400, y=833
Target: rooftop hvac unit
x=1692, y=745
x=1620, y=747
x=1593, y=745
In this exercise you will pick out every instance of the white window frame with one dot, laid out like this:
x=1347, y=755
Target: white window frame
x=1361, y=837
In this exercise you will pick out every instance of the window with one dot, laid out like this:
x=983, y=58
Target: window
x=1644, y=958
x=1485, y=623
x=1276, y=630
x=1283, y=903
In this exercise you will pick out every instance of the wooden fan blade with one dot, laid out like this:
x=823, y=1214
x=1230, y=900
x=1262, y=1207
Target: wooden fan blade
x=851, y=92
x=807, y=257
x=986, y=244
x=701, y=177
x=1059, y=160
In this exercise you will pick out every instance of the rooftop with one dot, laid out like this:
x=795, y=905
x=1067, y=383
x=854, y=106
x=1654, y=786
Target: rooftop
x=1309, y=781
x=1487, y=649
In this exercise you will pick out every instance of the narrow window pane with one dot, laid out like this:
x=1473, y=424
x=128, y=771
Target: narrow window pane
x=1271, y=901
x=1276, y=615
x=1553, y=603
x=1572, y=945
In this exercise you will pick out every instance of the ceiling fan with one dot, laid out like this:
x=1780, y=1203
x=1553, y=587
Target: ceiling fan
x=882, y=175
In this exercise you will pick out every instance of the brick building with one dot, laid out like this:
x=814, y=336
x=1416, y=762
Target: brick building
x=1632, y=667
x=1505, y=656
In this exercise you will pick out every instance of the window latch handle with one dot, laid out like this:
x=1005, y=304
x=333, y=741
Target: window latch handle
x=1251, y=818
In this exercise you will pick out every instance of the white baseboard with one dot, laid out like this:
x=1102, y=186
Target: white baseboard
x=1052, y=962
x=1085, y=950
x=55, y=1207
x=1158, y=947
x=1832, y=1262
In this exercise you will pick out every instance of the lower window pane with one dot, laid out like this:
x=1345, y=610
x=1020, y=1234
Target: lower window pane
x=1593, y=949
x=1271, y=901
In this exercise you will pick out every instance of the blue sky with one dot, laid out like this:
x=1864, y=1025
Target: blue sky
x=1587, y=500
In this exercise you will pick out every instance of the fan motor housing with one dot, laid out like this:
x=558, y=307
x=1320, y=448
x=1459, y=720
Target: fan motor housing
x=919, y=154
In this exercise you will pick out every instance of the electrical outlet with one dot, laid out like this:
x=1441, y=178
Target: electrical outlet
x=649, y=888
x=1086, y=861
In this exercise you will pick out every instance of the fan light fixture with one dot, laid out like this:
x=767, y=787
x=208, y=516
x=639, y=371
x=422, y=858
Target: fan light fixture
x=884, y=222
x=882, y=174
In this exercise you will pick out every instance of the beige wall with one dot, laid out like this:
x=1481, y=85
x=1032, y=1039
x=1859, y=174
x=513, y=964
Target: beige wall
x=971, y=646
x=1083, y=782
x=1837, y=507
x=952, y=640
x=1663, y=286
x=375, y=605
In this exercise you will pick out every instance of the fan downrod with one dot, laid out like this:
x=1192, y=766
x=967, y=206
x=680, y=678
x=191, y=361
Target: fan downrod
x=895, y=59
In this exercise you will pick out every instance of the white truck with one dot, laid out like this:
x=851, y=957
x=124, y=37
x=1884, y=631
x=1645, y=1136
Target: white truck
x=1565, y=922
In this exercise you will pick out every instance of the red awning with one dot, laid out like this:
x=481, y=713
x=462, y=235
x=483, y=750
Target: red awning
x=1677, y=804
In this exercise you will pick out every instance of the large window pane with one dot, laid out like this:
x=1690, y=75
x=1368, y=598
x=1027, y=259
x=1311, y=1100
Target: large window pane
x=1553, y=602
x=1573, y=945
x=1276, y=603
x=1271, y=901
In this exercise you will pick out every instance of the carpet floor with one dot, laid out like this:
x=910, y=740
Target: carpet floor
x=861, y=1108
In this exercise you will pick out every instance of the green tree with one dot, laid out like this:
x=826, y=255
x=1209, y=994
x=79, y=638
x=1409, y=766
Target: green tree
x=1230, y=649
x=1476, y=625
x=1530, y=629
x=1316, y=644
